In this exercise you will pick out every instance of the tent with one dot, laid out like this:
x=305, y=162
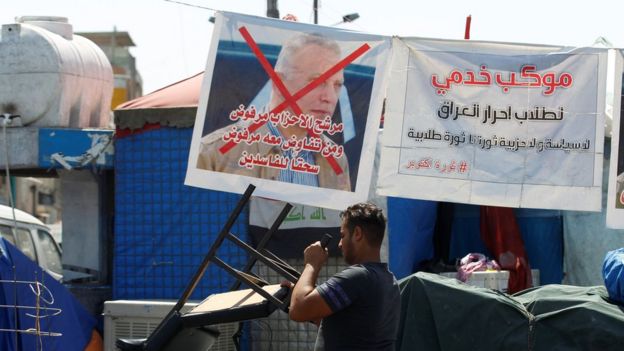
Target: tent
x=152, y=139
x=38, y=312
x=439, y=313
x=163, y=228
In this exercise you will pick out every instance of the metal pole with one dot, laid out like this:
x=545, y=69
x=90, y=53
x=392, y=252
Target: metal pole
x=315, y=8
x=272, y=10
x=467, y=32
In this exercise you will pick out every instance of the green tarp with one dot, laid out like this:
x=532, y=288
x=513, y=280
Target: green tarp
x=439, y=313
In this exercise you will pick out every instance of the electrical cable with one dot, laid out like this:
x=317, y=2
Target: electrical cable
x=191, y=5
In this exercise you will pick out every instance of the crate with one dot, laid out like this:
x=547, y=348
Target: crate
x=138, y=318
x=496, y=280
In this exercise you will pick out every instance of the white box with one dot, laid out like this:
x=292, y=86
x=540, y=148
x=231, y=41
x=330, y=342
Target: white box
x=535, y=275
x=138, y=318
x=496, y=280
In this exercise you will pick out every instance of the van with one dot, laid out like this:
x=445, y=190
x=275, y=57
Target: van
x=33, y=238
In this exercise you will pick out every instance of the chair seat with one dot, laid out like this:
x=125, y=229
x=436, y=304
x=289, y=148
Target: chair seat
x=130, y=344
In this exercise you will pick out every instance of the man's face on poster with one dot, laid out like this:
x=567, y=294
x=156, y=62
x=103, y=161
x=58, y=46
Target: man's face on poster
x=309, y=63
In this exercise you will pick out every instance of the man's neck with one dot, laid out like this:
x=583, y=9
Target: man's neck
x=368, y=256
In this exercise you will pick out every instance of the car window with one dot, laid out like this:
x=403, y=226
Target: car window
x=25, y=243
x=7, y=233
x=49, y=252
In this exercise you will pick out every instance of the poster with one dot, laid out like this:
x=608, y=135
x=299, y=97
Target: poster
x=615, y=194
x=292, y=108
x=496, y=124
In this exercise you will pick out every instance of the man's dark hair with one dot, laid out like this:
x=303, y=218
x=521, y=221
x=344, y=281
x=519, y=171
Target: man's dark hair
x=368, y=217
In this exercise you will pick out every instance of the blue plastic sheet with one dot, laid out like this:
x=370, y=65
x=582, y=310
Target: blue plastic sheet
x=542, y=233
x=613, y=274
x=411, y=224
x=163, y=229
x=31, y=299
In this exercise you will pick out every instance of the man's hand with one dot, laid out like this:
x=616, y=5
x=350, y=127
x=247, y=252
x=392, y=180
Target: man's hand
x=287, y=284
x=315, y=255
x=306, y=304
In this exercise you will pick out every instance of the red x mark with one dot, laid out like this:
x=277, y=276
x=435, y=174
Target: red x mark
x=291, y=100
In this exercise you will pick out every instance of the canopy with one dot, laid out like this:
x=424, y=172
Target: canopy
x=174, y=105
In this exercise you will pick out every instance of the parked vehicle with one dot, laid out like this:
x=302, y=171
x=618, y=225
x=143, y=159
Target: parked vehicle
x=33, y=238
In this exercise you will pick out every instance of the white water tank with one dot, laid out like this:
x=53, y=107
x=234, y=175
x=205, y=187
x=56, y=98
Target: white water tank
x=51, y=77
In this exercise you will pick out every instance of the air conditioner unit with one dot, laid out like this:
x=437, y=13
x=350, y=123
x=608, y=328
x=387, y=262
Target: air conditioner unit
x=138, y=318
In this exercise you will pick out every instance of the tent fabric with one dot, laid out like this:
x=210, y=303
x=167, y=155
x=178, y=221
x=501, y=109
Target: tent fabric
x=174, y=105
x=74, y=323
x=411, y=225
x=613, y=274
x=127, y=121
x=542, y=234
x=587, y=239
x=163, y=229
x=184, y=93
x=439, y=313
x=573, y=318
x=501, y=234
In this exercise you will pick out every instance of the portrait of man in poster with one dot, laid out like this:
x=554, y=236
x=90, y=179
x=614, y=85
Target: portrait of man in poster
x=297, y=152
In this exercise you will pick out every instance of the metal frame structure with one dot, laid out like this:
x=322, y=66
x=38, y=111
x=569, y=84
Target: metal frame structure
x=174, y=321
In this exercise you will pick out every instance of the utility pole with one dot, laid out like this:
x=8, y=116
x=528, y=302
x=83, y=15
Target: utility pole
x=315, y=8
x=272, y=10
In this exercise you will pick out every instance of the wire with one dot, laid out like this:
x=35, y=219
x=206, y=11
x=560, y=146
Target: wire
x=191, y=5
x=15, y=313
x=6, y=120
x=331, y=11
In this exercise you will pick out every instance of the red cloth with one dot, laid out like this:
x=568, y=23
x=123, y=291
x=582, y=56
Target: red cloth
x=122, y=133
x=501, y=235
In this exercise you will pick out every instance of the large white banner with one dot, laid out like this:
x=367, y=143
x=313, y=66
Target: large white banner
x=615, y=195
x=293, y=108
x=495, y=124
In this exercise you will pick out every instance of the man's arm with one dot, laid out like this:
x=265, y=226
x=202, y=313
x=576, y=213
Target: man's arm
x=306, y=304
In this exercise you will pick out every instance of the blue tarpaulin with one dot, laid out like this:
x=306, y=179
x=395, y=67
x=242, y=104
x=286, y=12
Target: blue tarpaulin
x=613, y=274
x=37, y=305
x=411, y=224
x=542, y=233
x=163, y=228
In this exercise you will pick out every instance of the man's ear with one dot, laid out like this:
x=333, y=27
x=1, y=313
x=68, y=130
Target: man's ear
x=357, y=233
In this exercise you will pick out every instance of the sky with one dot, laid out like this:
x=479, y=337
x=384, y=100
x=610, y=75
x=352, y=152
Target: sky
x=172, y=39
